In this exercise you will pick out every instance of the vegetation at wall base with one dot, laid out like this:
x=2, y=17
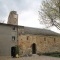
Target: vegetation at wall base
x=17, y=50
x=53, y=54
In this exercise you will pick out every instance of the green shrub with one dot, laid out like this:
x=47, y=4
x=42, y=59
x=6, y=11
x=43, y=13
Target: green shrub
x=17, y=49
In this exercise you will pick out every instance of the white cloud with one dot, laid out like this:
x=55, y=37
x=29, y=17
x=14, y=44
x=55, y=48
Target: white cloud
x=53, y=28
x=27, y=12
x=18, y=5
x=29, y=18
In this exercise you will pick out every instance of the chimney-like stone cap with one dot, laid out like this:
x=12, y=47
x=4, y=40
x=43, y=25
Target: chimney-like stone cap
x=13, y=12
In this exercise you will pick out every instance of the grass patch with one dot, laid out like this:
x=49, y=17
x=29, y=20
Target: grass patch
x=53, y=54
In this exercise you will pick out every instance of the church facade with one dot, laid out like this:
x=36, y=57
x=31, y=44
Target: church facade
x=30, y=40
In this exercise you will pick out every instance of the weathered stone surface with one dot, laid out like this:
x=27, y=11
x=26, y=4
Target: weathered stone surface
x=43, y=43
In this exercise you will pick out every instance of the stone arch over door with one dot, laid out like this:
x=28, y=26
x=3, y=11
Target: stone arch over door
x=33, y=48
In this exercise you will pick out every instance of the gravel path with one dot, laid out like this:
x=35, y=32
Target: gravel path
x=34, y=57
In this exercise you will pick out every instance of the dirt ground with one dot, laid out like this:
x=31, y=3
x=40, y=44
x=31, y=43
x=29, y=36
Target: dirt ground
x=34, y=57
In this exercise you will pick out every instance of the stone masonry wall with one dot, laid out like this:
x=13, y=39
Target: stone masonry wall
x=43, y=43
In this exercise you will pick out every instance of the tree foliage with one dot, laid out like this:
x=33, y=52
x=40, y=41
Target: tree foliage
x=50, y=13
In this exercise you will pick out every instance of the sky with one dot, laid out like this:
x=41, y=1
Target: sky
x=27, y=11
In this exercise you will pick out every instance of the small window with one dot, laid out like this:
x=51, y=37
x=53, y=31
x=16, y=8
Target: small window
x=13, y=28
x=27, y=37
x=44, y=39
x=54, y=40
x=13, y=37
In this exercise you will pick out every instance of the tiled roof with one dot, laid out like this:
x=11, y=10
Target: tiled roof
x=29, y=30
x=35, y=31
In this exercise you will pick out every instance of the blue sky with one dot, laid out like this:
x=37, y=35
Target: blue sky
x=27, y=12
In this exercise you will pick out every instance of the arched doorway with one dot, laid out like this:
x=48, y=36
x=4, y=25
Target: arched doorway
x=33, y=48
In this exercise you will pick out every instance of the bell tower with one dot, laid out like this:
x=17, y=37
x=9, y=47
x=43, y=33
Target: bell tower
x=13, y=18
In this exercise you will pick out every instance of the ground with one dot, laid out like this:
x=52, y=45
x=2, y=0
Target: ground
x=34, y=57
